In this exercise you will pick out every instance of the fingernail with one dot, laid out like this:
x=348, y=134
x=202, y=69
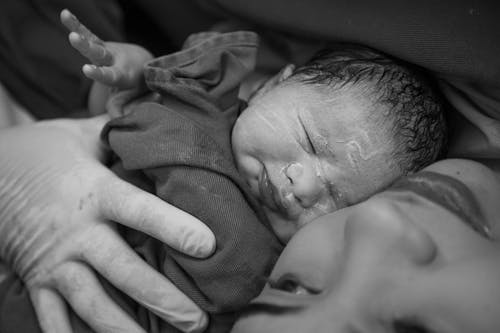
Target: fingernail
x=199, y=246
x=207, y=245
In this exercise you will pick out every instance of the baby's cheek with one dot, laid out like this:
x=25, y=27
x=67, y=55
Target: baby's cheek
x=248, y=166
x=250, y=169
x=241, y=137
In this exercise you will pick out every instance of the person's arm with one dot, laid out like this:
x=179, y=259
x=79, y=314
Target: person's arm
x=58, y=209
x=455, y=38
x=113, y=66
x=11, y=113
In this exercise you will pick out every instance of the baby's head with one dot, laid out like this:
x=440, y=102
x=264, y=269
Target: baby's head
x=333, y=132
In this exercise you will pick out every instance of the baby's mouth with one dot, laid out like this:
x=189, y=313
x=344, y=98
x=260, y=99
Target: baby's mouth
x=267, y=191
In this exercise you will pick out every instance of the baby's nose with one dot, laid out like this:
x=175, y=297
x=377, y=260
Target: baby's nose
x=306, y=185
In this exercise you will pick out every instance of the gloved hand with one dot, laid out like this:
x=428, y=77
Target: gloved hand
x=57, y=207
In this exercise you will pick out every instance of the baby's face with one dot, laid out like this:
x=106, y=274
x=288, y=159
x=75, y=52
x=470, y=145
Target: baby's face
x=306, y=153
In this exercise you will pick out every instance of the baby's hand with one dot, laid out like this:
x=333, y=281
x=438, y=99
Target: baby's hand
x=113, y=64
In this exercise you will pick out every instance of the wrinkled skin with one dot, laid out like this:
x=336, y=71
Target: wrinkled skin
x=58, y=209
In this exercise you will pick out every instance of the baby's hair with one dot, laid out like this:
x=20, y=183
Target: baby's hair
x=409, y=98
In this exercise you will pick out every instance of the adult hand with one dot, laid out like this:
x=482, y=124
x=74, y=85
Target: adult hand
x=57, y=204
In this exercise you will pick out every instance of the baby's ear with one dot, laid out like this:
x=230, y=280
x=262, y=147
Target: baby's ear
x=273, y=81
x=285, y=72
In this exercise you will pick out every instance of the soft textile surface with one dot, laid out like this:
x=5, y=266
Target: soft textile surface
x=181, y=142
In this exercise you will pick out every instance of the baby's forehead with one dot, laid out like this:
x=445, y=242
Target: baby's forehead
x=355, y=96
x=331, y=109
x=327, y=114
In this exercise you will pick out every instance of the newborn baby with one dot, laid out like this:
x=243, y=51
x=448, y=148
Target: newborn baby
x=333, y=132
x=311, y=140
x=320, y=137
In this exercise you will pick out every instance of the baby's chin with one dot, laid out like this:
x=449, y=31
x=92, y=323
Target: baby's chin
x=285, y=227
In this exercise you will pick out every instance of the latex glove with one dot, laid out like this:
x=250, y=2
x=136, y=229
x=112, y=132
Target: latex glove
x=57, y=202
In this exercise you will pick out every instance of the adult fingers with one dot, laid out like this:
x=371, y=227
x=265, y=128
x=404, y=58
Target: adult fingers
x=121, y=266
x=126, y=204
x=51, y=311
x=84, y=293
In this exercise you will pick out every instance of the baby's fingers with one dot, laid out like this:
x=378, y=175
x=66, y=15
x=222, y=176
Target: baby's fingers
x=109, y=76
x=84, y=40
x=95, y=52
x=71, y=22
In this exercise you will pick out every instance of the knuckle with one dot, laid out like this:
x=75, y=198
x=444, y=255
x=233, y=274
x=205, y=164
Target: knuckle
x=95, y=240
x=72, y=278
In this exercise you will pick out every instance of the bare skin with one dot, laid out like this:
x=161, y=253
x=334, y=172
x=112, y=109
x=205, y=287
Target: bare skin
x=117, y=65
x=422, y=256
x=305, y=154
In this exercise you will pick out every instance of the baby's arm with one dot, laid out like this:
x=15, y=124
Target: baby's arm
x=113, y=65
